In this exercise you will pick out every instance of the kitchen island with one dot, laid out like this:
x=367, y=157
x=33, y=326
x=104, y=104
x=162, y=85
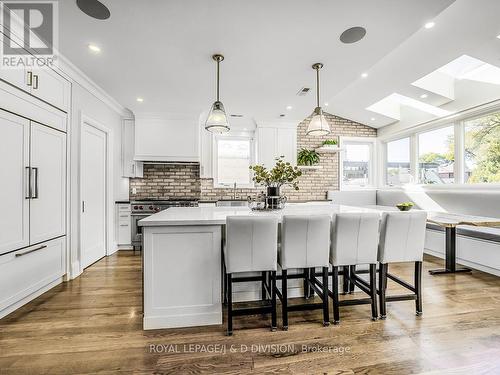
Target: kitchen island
x=182, y=258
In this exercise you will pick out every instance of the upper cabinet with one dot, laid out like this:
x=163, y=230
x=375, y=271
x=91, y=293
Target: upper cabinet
x=42, y=82
x=130, y=167
x=167, y=138
x=275, y=140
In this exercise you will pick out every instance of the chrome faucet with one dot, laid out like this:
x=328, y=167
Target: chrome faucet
x=234, y=191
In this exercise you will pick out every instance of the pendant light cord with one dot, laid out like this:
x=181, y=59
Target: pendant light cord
x=317, y=87
x=218, y=71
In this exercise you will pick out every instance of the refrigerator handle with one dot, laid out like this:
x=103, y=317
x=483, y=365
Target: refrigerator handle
x=35, y=181
x=28, y=183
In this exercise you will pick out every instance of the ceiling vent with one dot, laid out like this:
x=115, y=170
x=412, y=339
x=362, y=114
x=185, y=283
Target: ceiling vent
x=233, y=115
x=303, y=91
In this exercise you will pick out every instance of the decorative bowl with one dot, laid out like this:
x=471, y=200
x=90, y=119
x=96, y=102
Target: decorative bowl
x=407, y=206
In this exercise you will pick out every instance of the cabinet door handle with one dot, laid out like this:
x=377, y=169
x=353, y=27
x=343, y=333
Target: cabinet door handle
x=34, y=180
x=124, y=225
x=30, y=79
x=28, y=183
x=35, y=81
x=31, y=251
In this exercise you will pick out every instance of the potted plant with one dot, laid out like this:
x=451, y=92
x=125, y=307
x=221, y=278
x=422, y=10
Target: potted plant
x=330, y=143
x=283, y=173
x=307, y=157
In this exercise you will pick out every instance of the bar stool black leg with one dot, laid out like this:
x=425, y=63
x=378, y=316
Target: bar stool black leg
x=352, y=272
x=284, y=302
x=335, y=290
x=229, y=305
x=418, y=287
x=263, y=282
x=306, y=283
x=312, y=272
x=273, y=301
x=326, y=313
x=382, y=286
x=345, y=280
x=373, y=290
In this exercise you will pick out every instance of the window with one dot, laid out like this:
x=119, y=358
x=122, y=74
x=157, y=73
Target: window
x=233, y=157
x=357, y=163
x=436, y=156
x=398, y=162
x=482, y=149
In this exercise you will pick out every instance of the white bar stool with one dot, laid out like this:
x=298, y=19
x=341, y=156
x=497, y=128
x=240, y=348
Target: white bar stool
x=354, y=241
x=305, y=244
x=402, y=239
x=251, y=246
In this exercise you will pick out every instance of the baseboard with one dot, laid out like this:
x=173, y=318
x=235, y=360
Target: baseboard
x=178, y=321
x=29, y=298
x=125, y=247
x=476, y=266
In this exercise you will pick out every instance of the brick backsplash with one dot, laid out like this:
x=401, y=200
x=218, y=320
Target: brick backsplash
x=170, y=181
x=167, y=181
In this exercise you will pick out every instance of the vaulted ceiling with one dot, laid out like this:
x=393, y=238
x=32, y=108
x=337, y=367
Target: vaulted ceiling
x=161, y=51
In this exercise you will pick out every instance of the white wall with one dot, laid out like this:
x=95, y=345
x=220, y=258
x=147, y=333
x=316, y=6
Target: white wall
x=85, y=103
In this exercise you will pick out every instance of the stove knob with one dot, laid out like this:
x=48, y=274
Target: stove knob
x=141, y=207
x=151, y=207
x=157, y=209
x=135, y=207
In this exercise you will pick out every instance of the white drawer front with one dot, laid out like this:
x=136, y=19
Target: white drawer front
x=26, y=271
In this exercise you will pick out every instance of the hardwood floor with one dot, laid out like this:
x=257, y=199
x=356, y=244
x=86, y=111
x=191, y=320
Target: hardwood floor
x=93, y=325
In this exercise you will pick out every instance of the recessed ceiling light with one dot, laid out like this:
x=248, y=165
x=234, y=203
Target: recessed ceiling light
x=364, y=75
x=373, y=119
x=326, y=104
x=94, y=48
x=140, y=100
x=498, y=36
x=423, y=96
x=429, y=25
x=289, y=107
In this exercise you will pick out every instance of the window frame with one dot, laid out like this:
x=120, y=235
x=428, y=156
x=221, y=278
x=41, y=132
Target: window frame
x=456, y=120
x=372, y=165
x=412, y=161
x=417, y=150
x=215, y=158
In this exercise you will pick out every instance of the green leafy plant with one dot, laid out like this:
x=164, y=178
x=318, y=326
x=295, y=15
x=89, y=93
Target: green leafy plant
x=330, y=142
x=283, y=173
x=405, y=206
x=307, y=157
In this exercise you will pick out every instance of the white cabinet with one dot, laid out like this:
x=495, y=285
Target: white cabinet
x=130, y=167
x=50, y=87
x=273, y=142
x=14, y=177
x=123, y=222
x=41, y=82
x=164, y=138
x=48, y=165
x=25, y=272
x=33, y=180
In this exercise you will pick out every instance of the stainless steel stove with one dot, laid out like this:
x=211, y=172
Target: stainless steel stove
x=145, y=208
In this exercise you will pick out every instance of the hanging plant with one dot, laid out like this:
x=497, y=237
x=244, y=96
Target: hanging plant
x=307, y=157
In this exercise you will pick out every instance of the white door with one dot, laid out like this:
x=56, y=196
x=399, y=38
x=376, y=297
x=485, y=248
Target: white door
x=93, y=188
x=48, y=179
x=14, y=182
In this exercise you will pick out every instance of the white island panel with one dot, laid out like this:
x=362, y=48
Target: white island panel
x=182, y=278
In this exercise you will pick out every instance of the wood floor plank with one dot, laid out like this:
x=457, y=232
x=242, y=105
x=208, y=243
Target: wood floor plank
x=93, y=325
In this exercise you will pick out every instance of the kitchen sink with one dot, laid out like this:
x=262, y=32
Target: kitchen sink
x=232, y=203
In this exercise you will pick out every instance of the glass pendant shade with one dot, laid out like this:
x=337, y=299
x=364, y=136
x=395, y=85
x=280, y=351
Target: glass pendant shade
x=217, y=119
x=318, y=126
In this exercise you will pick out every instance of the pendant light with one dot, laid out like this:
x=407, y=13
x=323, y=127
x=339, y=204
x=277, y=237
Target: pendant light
x=217, y=119
x=318, y=126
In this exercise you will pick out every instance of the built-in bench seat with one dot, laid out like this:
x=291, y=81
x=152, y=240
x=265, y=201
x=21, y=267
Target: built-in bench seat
x=477, y=247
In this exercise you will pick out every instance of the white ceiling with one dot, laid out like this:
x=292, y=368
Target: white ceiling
x=161, y=51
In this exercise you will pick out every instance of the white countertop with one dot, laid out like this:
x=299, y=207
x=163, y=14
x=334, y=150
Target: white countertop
x=217, y=215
